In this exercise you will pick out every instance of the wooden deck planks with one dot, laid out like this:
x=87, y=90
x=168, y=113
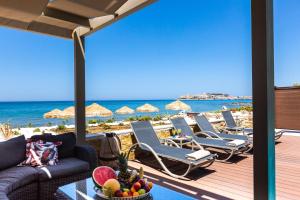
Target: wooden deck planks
x=235, y=180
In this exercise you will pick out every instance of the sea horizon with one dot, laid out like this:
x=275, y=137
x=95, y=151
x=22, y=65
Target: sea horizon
x=23, y=113
x=88, y=100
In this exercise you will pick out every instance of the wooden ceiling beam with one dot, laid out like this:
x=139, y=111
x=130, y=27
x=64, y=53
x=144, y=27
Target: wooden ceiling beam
x=50, y=30
x=61, y=15
x=121, y=16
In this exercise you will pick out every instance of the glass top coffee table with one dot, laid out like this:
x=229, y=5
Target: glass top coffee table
x=84, y=190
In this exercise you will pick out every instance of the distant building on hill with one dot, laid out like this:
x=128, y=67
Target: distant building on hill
x=213, y=96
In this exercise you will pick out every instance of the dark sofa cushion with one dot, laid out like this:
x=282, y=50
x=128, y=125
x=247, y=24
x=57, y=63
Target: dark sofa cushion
x=39, y=137
x=12, y=152
x=87, y=153
x=65, y=167
x=13, y=178
x=66, y=149
x=3, y=196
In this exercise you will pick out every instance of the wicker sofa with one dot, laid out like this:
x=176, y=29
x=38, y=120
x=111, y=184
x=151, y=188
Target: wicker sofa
x=76, y=162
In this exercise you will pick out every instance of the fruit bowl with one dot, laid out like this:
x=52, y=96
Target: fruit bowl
x=146, y=196
x=123, y=184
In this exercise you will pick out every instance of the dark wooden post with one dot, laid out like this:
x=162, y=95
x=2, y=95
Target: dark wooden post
x=79, y=77
x=263, y=99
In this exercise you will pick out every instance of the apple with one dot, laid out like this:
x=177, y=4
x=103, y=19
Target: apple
x=141, y=191
x=137, y=186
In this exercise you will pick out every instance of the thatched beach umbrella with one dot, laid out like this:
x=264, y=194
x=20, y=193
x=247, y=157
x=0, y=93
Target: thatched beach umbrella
x=178, y=105
x=95, y=110
x=147, y=108
x=56, y=113
x=68, y=112
x=125, y=110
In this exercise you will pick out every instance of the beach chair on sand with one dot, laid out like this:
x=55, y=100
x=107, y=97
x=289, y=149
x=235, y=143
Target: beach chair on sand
x=147, y=140
x=219, y=145
x=231, y=126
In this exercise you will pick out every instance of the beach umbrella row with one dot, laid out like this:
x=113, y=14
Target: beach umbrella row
x=96, y=110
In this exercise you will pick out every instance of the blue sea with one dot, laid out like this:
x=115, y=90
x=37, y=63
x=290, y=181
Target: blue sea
x=21, y=114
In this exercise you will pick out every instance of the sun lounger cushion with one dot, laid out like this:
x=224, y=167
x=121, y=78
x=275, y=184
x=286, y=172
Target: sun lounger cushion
x=13, y=178
x=198, y=155
x=236, y=143
x=178, y=154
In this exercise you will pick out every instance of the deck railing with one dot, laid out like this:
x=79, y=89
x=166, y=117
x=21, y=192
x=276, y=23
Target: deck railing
x=287, y=108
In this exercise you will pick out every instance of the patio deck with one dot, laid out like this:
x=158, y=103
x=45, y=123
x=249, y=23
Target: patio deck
x=235, y=180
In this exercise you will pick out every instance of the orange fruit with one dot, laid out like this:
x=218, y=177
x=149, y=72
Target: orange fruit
x=132, y=190
x=125, y=194
x=150, y=185
x=135, y=194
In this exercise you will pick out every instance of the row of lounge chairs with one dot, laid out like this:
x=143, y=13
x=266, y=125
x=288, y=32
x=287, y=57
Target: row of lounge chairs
x=231, y=126
x=206, y=141
x=213, y=141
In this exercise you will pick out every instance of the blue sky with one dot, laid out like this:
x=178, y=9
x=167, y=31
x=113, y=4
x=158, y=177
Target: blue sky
x=160, y=52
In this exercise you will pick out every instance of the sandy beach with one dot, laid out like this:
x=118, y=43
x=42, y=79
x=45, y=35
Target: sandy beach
x=244, y=118
x=122, y=127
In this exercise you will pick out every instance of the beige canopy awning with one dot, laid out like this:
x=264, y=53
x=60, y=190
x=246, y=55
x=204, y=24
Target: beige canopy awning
x=62, y=17
x=178, y=105
x=125, y=110
x=95, y=110
x=147, y=108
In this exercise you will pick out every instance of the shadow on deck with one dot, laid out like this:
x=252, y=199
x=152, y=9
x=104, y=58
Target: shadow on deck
x=234, y=180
